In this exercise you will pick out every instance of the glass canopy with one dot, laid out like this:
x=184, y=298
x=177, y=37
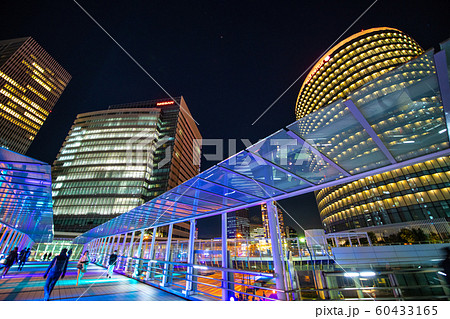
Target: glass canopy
x=26, y=195
x=393, y=121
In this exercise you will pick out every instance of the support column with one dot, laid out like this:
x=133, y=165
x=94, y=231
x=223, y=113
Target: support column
x=130, y=249
x=190, y=286
x=138, y=263
x=10, y=240
x=5, y=235
x=226, y=276
x=151, y=255
x=117, y=244
x=272, y=215
x=166, y=276
x=102, y=244
x=131, y=244
x=17, y=241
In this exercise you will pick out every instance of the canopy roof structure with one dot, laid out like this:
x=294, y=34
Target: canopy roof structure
x=26, y=195
x=396, y=120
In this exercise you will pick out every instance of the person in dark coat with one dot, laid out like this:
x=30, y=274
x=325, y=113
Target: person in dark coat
x=23, y=258
x=45, y=257
x=10, y=260
x=112, y=263
x=55, y=270
x=50, y=255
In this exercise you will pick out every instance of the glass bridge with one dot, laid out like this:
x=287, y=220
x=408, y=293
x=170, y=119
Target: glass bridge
x=399, y=119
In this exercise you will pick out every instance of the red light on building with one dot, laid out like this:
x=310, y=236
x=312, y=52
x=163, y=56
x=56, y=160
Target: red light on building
x=165, y=103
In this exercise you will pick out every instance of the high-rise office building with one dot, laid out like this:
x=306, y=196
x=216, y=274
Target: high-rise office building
x=379, y=68
x=117, y=159
x=31, y=82
x=266, y=221
x=238, y=224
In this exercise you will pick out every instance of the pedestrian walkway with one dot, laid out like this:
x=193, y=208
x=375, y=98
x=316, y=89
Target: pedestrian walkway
x=28, y=285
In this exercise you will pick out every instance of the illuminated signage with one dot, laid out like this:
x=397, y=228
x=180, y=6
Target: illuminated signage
x=317, y=67
x=165, y=103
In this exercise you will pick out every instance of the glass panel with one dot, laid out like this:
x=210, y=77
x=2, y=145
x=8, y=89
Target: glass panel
x=192, y=192
x=446, y=46
x=220, y=190
x=405, y=110
x=249, y=165
x=336, y=133
x=25, y=195
x=236, y=181
x=290, y=154
x=190, y=201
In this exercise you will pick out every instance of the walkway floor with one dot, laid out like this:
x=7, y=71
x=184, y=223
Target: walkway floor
x=28, y=284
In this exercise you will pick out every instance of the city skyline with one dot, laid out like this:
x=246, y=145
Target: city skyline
x=232, y=68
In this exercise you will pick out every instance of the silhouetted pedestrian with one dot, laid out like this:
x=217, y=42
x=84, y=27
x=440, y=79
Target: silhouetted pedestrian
x=56, y=269
x=45, y=257
x=49, y=255
x=12, y=257
x=112, y=264
x=23, y=258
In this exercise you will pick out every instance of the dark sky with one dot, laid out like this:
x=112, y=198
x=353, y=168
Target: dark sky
x=229, y=59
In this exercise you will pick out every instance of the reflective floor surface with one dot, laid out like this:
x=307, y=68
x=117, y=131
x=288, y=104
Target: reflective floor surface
x=28, y=284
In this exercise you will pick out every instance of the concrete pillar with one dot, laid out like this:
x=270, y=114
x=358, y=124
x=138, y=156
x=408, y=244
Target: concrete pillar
x=278, y=265
x=166, y=275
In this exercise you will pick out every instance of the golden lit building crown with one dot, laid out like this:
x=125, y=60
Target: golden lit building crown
x=352, y=63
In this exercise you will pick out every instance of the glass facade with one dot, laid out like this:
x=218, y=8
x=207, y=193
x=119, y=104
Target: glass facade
x=31, y=82
x=408, y=95
x=238, y=224
x=115, y=160
x=265, y=221
x=25, y=196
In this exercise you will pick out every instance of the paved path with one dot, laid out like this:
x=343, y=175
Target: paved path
x=28, y=284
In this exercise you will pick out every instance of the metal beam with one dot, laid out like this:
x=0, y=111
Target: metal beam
x=317, y=153
x=362, y=120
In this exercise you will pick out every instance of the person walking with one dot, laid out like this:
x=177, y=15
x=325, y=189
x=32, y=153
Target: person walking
x=45, y=257
x=112, y=264
x=23, y=258
x=49, y=255
x=82, y=265
x=55, y=270
x=12, y=257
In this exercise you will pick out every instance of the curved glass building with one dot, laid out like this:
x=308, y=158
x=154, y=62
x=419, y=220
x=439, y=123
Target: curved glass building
x=373, y=67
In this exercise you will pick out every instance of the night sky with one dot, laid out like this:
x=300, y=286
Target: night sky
x=229, y=59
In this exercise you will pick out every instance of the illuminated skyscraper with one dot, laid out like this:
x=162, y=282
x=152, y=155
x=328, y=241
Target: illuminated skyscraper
x=117, y=159
x=238, y=224
x=31, y=82
x=265, y=220
x=377, y=67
